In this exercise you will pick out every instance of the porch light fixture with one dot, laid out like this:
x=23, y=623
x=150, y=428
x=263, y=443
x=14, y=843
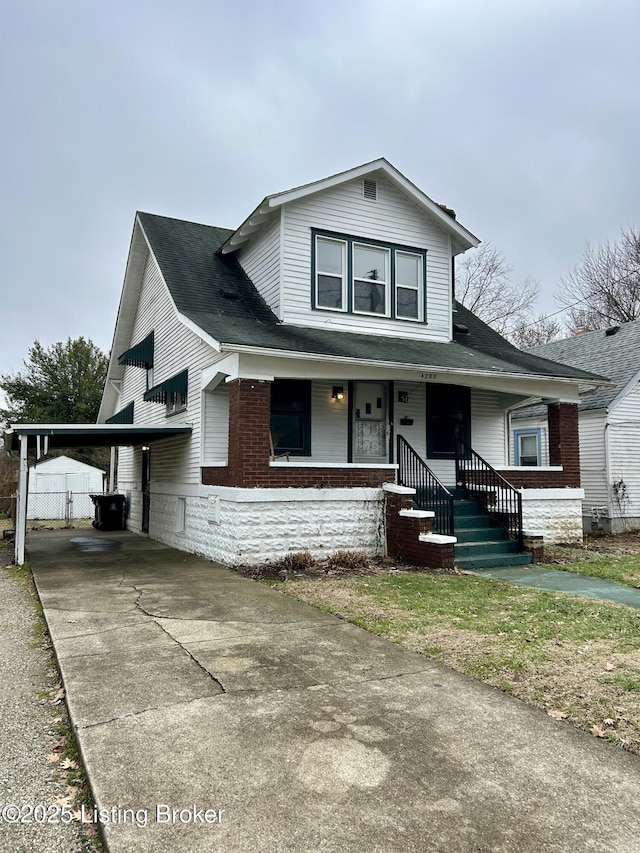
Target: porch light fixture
x=403, y=396
x=338, y=392
x=145, y=447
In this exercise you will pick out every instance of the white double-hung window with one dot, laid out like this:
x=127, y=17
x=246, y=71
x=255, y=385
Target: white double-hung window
x=371, y=283
x=331, y=274
x=409, y=285
x=360, y=276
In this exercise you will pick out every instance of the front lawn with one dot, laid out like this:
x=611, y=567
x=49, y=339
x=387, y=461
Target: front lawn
x=612, y=558
x=576, y=658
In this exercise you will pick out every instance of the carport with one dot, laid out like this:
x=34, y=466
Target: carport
x=19, y=439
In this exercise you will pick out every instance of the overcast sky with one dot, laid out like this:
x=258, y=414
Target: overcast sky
x=523, y=116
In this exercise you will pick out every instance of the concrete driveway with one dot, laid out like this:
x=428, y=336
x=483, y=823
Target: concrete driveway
x=215, y=714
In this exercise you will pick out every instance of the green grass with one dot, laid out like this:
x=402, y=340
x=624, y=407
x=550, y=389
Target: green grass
x=564, y=653
x=496, y=608
x=622, y=569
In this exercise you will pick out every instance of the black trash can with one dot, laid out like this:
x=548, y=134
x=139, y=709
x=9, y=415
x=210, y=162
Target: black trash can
x=110, y=512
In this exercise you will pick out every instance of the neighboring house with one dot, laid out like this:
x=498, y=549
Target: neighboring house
x=609, y=425
x=60, y=487
x=296, y=350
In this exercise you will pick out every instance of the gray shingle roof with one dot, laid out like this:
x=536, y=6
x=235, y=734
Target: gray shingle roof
x=198, y=278
x=615, y=356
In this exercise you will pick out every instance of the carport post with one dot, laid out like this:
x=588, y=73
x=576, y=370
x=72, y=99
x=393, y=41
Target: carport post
x=21, y=508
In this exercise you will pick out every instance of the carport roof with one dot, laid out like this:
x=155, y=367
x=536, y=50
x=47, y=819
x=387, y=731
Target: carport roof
x=88, y=435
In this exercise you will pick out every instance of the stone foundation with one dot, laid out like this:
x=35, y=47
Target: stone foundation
x=556, y=514
x=255, y=526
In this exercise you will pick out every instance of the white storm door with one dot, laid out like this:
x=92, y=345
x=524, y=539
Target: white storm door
x=370, y=423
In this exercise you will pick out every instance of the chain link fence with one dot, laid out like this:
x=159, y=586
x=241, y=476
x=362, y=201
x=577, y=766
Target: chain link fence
x=68, y=507
x=7, y=514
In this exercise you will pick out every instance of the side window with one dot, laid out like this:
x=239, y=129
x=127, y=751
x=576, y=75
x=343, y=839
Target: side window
x=527, y=446
x=176, y=402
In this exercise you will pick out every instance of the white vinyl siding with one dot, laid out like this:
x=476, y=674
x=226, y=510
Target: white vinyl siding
x=392, y=219
x=329, y=423
x=176, y=349
x=216, y=426
x=488, y=427
x=624, y=453
x=260, y=259
x=593, y=472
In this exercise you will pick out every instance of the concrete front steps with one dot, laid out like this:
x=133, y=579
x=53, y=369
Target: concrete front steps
x=479, y=545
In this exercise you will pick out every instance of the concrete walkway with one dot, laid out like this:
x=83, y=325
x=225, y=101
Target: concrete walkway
x=195, y=689
x=540, y=577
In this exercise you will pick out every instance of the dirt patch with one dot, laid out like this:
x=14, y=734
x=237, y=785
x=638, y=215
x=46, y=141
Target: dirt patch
x=613, y=543
x=332, y=568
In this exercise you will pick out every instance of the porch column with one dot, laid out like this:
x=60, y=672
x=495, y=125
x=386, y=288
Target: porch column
x=249, y=432
x=564, y=444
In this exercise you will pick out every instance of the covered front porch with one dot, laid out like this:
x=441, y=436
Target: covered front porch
x=316, y=426
x=278, y=422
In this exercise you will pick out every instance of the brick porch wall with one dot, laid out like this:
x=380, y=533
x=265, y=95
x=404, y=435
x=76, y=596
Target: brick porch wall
x=249, y=451
x=406, y=535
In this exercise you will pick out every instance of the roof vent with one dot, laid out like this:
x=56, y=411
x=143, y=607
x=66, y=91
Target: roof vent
x=612, y=330
x=369, y=189
x=460, y=329
x=229, y=294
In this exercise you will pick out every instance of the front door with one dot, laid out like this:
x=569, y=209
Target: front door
x=370, y=423
x=146, y=493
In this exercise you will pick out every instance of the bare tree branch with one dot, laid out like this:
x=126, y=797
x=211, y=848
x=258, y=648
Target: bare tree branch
x=484, y=287
x=534, y=333
x=605, y=283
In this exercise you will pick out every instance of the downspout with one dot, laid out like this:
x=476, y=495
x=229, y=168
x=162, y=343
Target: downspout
x=453, y=279
x=607, y=465
x=112, y=469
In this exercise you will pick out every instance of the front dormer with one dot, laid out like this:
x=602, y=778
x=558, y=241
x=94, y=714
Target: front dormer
x=364, y=251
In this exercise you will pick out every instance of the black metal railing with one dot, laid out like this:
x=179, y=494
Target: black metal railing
x=430, y=492
x=495, y=494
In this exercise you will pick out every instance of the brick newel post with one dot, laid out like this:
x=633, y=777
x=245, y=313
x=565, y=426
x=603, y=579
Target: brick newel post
x=564, y=446
x=249, y=425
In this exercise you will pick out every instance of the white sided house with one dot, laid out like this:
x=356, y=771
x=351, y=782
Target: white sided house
x=323, y=372
x=609, y=425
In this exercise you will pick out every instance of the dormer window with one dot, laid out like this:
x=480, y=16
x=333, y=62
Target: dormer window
x=409, y=285
x=330, y=274
x=370, y=280
x=358, y=276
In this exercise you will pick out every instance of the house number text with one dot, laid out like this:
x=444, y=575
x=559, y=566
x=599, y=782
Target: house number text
x=431, y=376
